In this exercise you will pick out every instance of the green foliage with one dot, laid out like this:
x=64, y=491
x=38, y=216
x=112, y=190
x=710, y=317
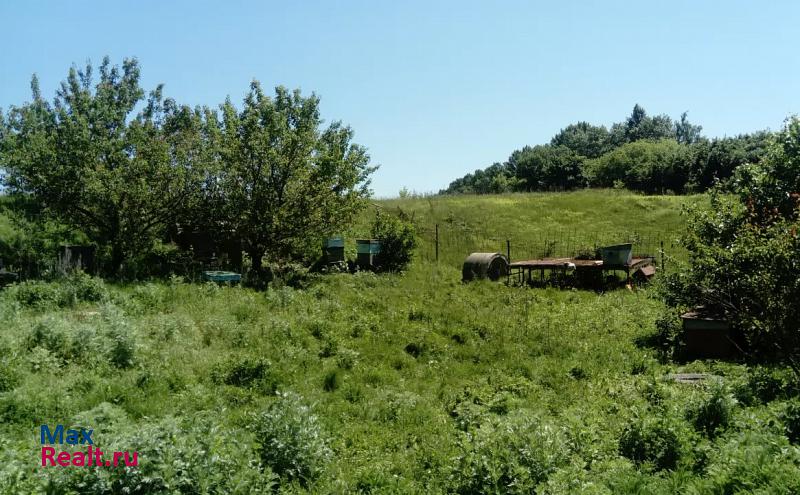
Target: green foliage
x=640, y=126
x=246, y=372
x=678, y=159
x=291, y=440
x=584, y=139
x=791, y=421
x=115, y=175
x=744, y=253
x=511, y=455
x=714, y=414
x=179, y=456
x=547, y=168
x=507, y=390
x=398, y=240
x=653, y=440
x=649, y=166
x=67, y=292
x=283, y=183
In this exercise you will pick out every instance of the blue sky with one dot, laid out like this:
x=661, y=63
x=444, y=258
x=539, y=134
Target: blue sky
x=436, y=89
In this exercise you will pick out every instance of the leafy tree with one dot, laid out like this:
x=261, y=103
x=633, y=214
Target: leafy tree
x=744, y=253
x=640, y=126
x=547, y=167
x=496, y=179
x=686, y=132
x=398, y=240
x=92, y=163
x=716, y=160
x=284, y=183
x=584, y=139
x=648, y=166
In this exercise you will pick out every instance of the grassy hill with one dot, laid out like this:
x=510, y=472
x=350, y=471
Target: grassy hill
x=412, y=383
x=545, y=223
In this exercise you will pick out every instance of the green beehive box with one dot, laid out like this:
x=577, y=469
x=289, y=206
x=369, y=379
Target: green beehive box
x=333, y=250
x=367, y=250
x=619, y=255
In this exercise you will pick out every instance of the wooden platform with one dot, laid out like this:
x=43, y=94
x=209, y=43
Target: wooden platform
x=518, y=269
x=552, y=263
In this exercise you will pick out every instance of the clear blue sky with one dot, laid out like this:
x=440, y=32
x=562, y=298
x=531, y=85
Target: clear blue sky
x=436, y=89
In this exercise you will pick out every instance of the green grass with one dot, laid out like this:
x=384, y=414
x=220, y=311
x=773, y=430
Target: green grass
x=545, y=223
x=412, y=383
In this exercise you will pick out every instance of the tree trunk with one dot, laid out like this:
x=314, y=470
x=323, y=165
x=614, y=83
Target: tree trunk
x=257, y=276
x=255, y=259
x=117, y=258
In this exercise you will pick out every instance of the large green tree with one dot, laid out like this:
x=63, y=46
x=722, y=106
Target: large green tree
x=641, y=126
x=283, y=181
x=745, y=251
x=645, y=165
x=584, y=139
x=547, y=168
x=94, y=163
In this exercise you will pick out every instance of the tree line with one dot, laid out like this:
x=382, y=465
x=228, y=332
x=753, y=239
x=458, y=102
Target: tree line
x=124, y=167
x=651, y=154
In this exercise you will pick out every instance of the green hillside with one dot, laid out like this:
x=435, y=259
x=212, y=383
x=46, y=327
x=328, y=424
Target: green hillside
x=395, y=383
x=545, y=223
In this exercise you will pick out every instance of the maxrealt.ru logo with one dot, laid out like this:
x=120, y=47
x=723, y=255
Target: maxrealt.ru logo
x=91, y=457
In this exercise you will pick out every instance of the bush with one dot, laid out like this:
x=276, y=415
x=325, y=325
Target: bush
x=76, y=287
x=766, y=384
x=713, y=415
x=511, y=455
x=744, y=251
x=195, y=456
x=245, y=372
x=86, y=288
x=119, y=338
x=652, y=440
x=291, y=440
x=38, y=294
x=791, y=421
x=398, y=240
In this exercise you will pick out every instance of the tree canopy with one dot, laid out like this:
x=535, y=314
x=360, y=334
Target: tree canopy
x=644, y=153
x=744, y=252
x=93, y=163
x=284, y=182
x=124, y=167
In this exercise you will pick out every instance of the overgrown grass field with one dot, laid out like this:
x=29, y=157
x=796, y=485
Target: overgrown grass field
x=411, y=383
x=559, y=224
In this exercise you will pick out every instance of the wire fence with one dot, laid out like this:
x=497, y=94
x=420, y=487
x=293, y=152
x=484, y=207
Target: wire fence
x=450, y=245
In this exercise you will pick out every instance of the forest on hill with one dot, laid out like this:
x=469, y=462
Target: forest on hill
x=651, y=154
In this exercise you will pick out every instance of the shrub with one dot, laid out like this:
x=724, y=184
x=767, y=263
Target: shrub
x=49, y=334
x=652, y=440
x=791, y=421
x=731, y=242
x=765, y=384
x=398, y=240
x=713, y=415
x=511, y=455
x=82, y=287
x=291, y=440
x=8, y=377
x=245, y=372
x=38, y=294
x=121, y=342
x=331, y=380
x=196, y=456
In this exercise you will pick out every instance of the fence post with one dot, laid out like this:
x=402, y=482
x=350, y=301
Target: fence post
x=437, y=242
x=508, y=254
